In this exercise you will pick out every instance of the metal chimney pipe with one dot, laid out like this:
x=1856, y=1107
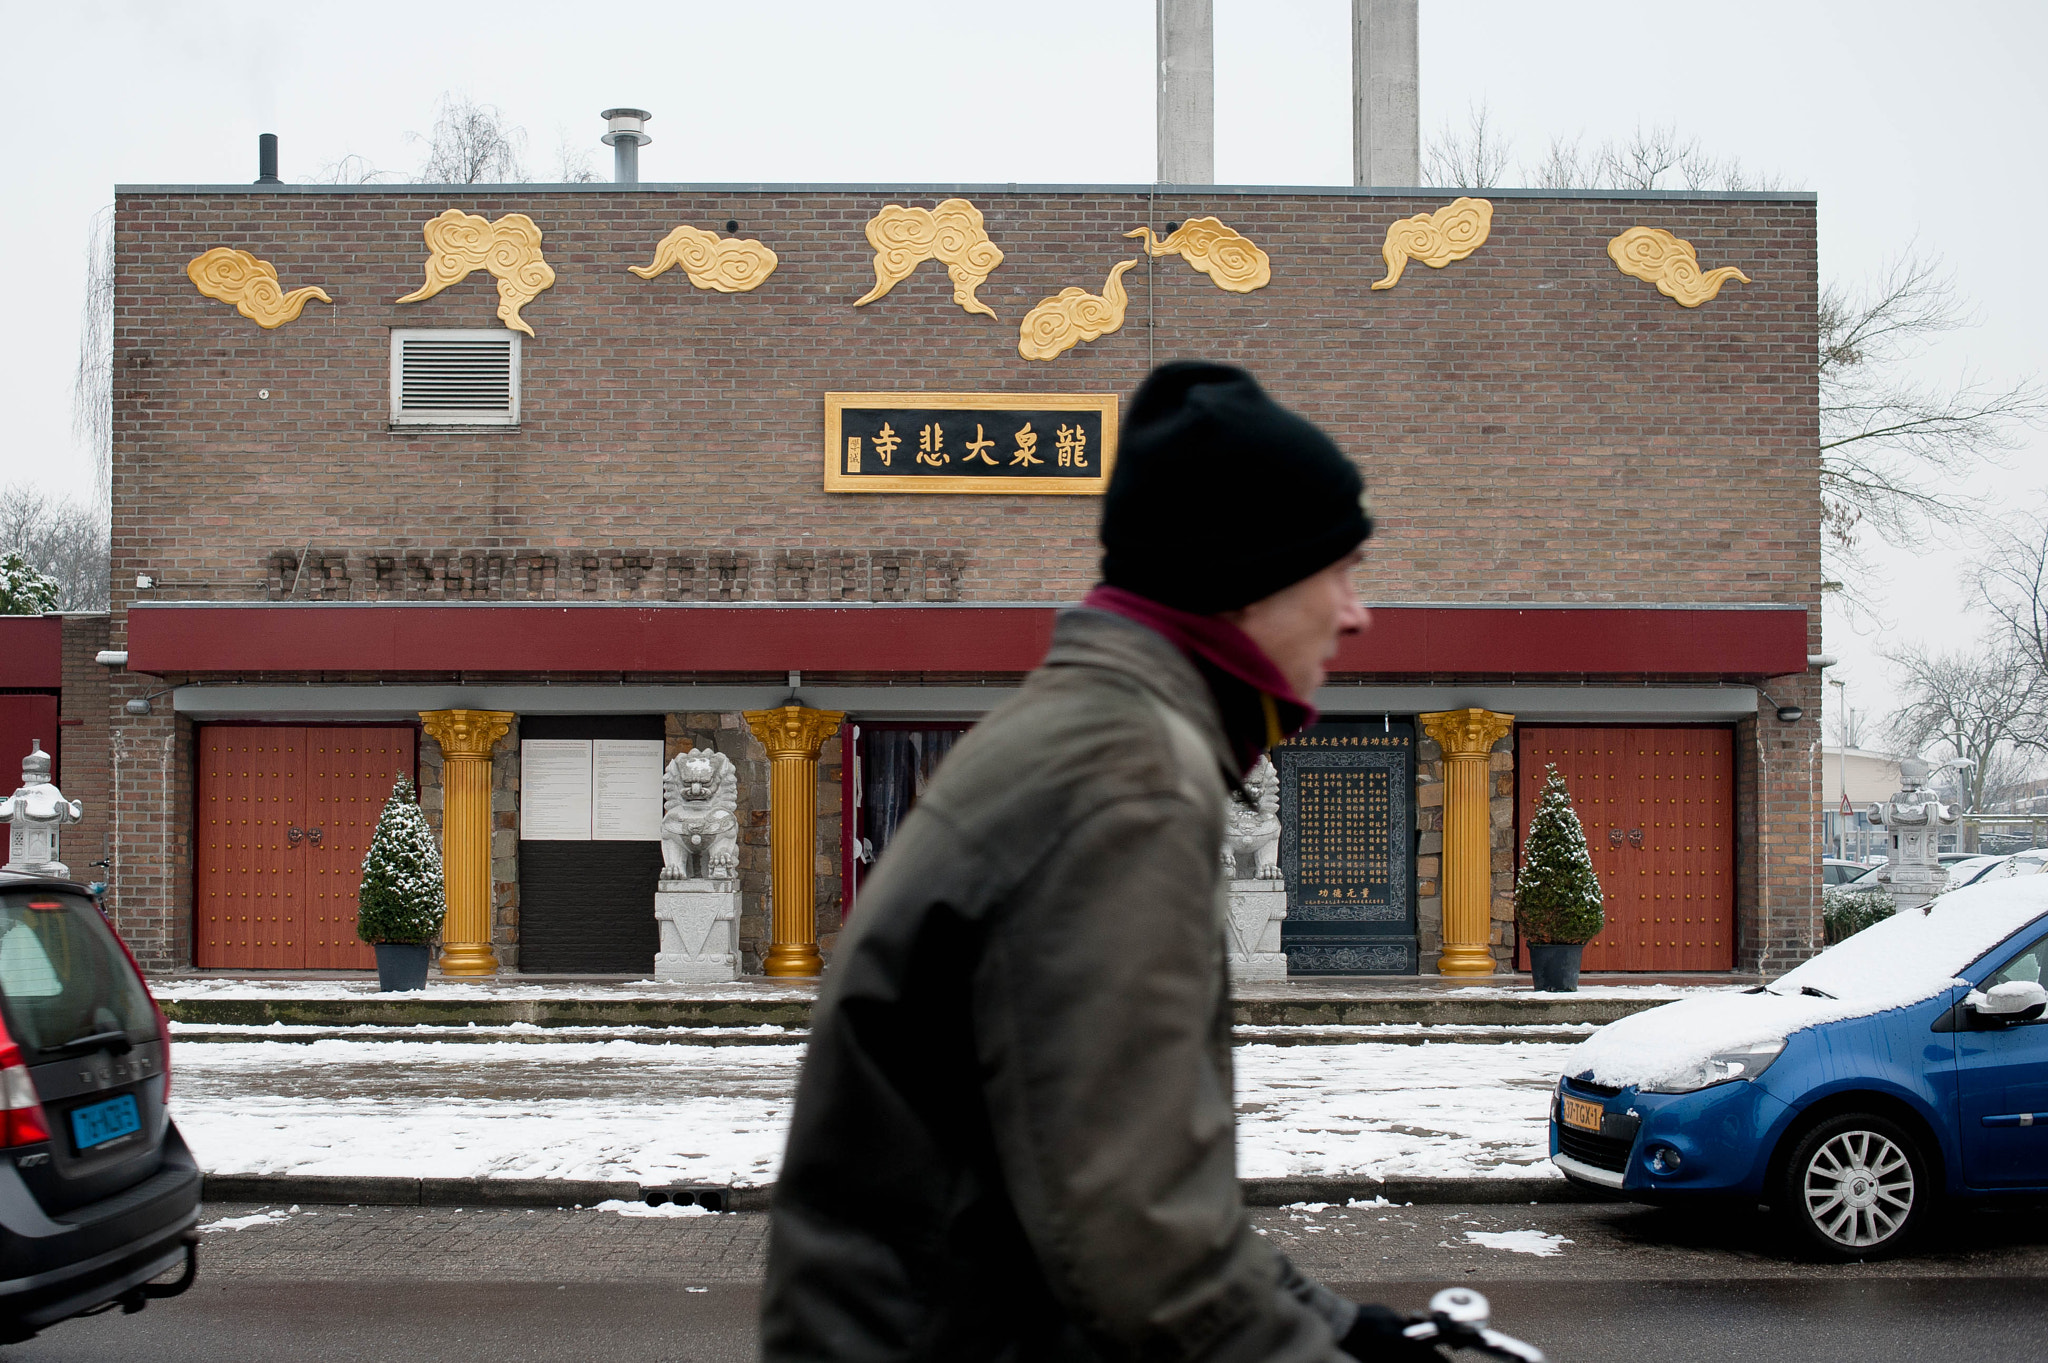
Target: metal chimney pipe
x=266, y=159
x=625, y=133
x=1187, y=93
x=1386, y=113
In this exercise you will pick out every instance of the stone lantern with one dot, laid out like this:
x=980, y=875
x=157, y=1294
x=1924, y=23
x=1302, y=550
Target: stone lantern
x=34, y=813
x=1915, y=817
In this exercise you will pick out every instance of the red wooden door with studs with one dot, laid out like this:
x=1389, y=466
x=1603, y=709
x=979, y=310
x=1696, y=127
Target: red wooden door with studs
x=1658, y=806
x=285, y=814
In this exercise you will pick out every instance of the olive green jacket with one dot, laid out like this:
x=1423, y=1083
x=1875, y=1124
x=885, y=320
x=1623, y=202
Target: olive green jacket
x=1013, y=1136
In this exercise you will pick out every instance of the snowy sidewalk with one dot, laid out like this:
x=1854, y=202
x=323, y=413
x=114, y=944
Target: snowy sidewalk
x=678, y=1114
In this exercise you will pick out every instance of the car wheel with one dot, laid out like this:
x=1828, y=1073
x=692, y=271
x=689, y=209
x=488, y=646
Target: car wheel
x=1856, y=1187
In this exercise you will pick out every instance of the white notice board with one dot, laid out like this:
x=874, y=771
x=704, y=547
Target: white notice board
x=625, y=789
x=554, y=789
x=583, y=790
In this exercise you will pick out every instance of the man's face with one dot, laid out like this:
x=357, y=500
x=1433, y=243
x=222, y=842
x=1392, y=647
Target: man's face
x=1299, y=626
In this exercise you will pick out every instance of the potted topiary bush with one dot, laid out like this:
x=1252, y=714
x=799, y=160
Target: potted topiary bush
x=403, y=898
x=1557, y=896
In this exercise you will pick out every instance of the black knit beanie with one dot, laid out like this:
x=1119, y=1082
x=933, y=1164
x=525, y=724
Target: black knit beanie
x=1221, y=496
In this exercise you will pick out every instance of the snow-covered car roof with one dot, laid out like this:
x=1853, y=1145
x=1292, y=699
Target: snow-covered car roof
x=1900, y=961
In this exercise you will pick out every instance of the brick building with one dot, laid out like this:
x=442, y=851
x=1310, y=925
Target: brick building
x=1599, y=543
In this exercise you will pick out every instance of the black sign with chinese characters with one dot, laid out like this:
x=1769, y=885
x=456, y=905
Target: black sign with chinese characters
x=969, y=442
x=1347, y=848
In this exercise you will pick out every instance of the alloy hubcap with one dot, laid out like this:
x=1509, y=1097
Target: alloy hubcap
x=1859, y=1189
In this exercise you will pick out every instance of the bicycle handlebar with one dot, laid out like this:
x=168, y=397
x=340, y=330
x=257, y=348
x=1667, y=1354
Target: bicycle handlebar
x=1458, y=1319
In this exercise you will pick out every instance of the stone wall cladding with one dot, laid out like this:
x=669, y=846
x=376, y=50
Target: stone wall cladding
x=1534, y=425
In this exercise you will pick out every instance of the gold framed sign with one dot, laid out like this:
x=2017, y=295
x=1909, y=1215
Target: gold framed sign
x=1035, y=443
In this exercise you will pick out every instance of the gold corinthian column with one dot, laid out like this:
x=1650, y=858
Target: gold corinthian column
x=466, y=737
x=792, y=734
x=1467, y=738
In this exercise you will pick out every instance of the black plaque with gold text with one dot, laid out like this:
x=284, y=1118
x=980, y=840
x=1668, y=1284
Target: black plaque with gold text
x=969, y=442
x=1347, y=847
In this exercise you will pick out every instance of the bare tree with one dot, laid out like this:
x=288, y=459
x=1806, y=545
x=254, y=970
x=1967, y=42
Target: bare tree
x=1895, y=449
x=62, y=539
x=572, y=162
x=2012, y=578
x=472, y=144
x=1474, y=159
x=92, y=382
x=351, y=169
x=1984, y=704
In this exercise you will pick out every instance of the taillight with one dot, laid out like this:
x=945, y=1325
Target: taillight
x=21, y=1110
x=163, y=1028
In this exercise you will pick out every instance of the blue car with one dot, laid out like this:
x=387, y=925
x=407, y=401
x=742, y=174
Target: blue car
x=1904, y=1065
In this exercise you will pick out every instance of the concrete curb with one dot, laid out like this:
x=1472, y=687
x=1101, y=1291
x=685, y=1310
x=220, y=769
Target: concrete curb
x=547, y=1192
x=1415, y=1010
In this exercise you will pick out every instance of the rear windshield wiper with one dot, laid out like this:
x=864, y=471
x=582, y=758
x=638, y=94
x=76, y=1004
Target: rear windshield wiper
x=118, y=1042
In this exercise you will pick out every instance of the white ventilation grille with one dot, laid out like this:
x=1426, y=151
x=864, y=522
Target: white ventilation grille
x=454, y=378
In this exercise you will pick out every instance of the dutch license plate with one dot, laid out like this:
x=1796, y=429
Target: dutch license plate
x=104, y=1122
x=1582, y=1114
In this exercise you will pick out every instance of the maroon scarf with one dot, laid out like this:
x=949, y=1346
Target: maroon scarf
x=1213, y=640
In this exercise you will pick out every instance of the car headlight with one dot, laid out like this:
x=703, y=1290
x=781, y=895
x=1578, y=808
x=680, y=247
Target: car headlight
x=1722, y=1067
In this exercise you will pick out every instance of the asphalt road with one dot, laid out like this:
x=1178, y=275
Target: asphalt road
x=1621, y=1283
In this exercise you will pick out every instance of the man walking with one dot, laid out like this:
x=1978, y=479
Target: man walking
x=1013, y=1137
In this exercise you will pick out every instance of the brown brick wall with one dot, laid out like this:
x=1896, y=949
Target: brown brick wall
x=1535, y=426
x=85, y=761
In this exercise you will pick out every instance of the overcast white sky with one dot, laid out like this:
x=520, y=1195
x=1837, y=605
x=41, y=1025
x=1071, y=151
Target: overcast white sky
x=1911, y=121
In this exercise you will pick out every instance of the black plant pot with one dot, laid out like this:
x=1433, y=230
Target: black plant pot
x=1553, y=965
x=402, y=965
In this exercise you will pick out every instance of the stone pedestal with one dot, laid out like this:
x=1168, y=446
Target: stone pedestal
x=1257, y=908
x=699, y=922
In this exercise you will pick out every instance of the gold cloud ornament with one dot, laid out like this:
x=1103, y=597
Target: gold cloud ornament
x=1436, y=239
x=251, y=285
x=1654, y=256
x=726, y=264
x=1072, y=316
x=459, y=242
x=1225, y=255
x=952, y=234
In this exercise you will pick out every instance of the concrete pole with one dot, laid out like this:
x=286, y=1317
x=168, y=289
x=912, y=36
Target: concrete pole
x=792, y=735
x=466, y=737
x=1467, y=738
x=1386, y=111
x=1187, y=93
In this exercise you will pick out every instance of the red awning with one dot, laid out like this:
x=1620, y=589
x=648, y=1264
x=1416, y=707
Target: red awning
x=541, y=637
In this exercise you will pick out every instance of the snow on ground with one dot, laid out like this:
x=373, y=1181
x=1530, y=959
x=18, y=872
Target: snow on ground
x=1542, y=1244
x=716, y=1115
x=624, y=1208
x=268, y=1216
x=1381, y=1111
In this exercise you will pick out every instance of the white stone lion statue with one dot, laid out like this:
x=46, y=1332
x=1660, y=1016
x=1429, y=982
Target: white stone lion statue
x=700, y=832
x=1251, y=842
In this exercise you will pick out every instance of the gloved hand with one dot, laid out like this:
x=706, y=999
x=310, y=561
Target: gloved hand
x=1375, y=1337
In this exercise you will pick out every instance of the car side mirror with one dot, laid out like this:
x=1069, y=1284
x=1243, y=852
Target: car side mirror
x=2013, y=1001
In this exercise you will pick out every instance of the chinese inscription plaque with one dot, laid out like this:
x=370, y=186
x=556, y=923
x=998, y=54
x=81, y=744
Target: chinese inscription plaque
x=969, y=442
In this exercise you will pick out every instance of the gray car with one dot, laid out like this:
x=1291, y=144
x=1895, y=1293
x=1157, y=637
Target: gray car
x=98, y=1193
